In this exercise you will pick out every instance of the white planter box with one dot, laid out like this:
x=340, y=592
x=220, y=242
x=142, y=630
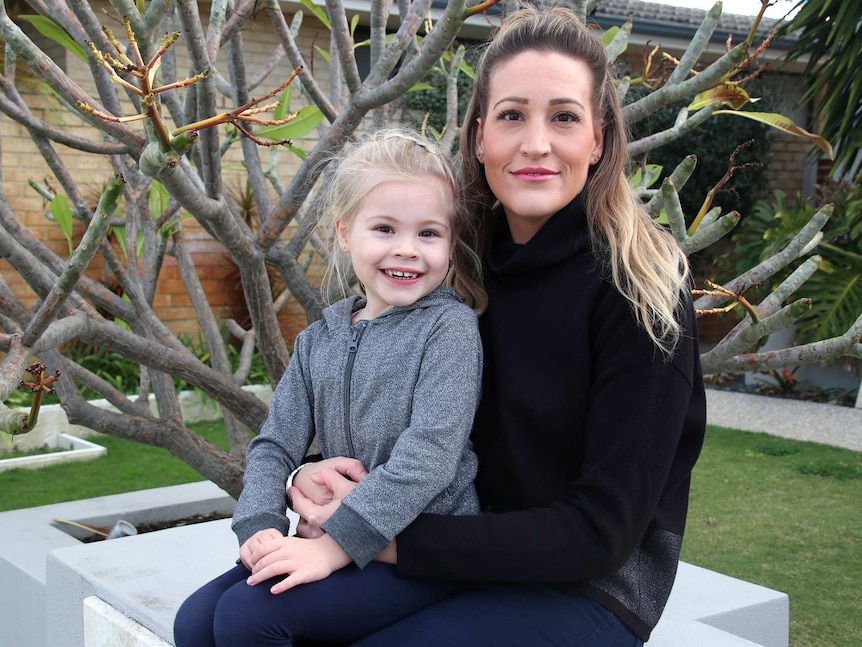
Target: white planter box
x=74, y=450
x=28, y=536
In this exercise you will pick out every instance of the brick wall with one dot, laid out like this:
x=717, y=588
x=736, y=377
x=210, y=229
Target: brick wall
x=787, y=168
x=21, y=162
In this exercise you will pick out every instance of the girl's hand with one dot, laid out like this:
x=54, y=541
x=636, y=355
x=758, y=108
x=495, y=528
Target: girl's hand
x=315, y=488
x=259, y=545
x=303, y=560
x=314, y=515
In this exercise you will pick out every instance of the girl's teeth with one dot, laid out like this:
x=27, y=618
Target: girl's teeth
x=401, y=275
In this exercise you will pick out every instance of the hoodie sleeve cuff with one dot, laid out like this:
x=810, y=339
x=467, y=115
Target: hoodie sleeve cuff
x=355, y=535
x=248, y=527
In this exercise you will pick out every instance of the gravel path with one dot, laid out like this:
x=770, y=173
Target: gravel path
x=820, y=423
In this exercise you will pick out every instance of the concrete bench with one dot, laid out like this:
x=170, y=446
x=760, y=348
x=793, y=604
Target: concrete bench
x=57, y=591
x=127, y=592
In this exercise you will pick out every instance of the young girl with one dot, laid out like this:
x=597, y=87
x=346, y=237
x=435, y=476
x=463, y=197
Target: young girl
x=392, y=379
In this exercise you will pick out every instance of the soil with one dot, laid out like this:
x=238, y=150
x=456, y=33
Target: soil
x=144, y=527
x=791, y=390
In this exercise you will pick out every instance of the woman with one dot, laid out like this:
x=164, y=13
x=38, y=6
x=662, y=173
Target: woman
x=592, y=412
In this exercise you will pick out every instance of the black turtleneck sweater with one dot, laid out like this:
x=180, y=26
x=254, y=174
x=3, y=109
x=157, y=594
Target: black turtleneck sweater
x=586, y=435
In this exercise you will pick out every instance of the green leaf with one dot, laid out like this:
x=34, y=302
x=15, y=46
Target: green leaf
x=307, y=119
x=353, y=23
x=465, y=67
x=318, y=13
x=120, y=235
x=784, y=124
x=52, y=30
x=387, y=39
x=726, y=94
x=323, y=53
x=645, y=177
x=836, y=293
x=139, y=244
x=419, y=87
x=609, y=35
x=284, y=103
x=157, y=198
x=827, y=38
x=122, y=324
x=296, y=151
x=62, y=214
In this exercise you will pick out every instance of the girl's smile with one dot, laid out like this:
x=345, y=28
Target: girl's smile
x=400, y=242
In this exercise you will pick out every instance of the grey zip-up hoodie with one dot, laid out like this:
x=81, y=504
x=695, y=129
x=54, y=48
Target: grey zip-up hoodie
x=398, y=393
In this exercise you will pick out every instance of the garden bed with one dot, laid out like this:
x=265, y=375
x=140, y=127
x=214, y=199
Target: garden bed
x=62, y=448
x=101, y=533
x=785, y=386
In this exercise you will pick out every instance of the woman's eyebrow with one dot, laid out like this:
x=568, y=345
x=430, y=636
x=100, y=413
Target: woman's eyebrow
x=521, y=100
x=553, y=102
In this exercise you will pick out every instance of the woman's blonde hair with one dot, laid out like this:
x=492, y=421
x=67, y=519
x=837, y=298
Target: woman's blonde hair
x=396, y=154
x=647, y=266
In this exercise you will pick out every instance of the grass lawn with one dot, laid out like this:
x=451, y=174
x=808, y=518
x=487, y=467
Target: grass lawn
x=780, y=513
x=127, y=467
x=786, y=515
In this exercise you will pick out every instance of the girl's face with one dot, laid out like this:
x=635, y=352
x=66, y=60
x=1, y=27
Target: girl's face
x=538, y=138
x=400, y=240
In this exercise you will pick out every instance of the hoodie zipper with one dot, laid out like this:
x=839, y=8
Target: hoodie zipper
x=356, y=335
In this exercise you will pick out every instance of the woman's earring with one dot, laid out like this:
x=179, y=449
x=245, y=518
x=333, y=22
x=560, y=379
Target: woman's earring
x=480, y=157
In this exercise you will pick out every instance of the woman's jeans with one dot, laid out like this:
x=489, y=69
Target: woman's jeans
x=508, y=616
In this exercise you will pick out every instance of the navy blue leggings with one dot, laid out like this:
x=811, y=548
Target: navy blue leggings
x=390, y=611
x=347, y=605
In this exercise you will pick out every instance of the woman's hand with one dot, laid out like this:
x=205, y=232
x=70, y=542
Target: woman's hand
x=259, y=545
x=302, y=560
x=313, y=515
x=313, y=487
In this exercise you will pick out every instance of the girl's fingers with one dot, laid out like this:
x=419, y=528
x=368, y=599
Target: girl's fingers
x=286, y=584
x=263, y=573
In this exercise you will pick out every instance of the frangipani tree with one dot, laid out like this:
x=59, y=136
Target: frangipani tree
x=172, y=134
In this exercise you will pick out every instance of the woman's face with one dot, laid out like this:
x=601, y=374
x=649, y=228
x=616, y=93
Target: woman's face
x=538, y=138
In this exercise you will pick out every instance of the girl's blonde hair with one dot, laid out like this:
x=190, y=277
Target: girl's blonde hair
x=396, y=154
x=647, y=266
